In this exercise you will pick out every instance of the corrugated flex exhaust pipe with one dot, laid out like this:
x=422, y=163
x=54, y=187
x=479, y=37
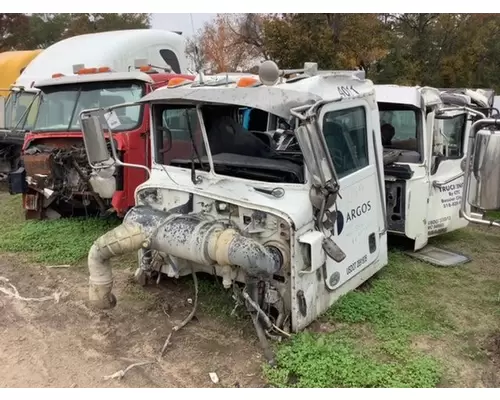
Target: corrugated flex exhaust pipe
x=185, y=236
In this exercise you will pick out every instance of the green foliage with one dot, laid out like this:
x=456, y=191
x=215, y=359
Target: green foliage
x=333, y=40
x=38, y=31
x=64, y=241
x=14, y=30
x=313, y=360
x=441, y=50
x=389, y=304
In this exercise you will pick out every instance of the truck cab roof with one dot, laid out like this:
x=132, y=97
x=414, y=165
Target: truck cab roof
x=108, y=77
x=114, y=49
x=277, y=99
x=416, y=96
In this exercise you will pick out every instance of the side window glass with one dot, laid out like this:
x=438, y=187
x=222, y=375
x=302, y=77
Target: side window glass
x=453, y=135
x=404, y=122
x=31, y=117
x=177, y=122
x=346, y=137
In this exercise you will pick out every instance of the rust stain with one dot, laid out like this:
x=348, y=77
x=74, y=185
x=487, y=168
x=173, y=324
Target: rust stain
x=38, y=164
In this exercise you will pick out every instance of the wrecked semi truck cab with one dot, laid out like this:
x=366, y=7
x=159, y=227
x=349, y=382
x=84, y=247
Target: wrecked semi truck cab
x=425, y=130
x=238, y=207
x=55, y=179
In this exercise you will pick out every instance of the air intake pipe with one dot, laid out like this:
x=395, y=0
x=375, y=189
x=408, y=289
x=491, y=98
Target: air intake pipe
x=185, y=236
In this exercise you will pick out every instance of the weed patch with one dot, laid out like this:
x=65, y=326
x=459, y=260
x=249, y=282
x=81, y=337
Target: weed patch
x=314, y=360
x=63, y=241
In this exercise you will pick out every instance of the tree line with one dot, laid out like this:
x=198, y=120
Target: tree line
x=440, y=50
x=39, y=31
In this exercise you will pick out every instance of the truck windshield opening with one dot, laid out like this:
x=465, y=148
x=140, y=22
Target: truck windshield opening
x=236, y=151
x=60, y=106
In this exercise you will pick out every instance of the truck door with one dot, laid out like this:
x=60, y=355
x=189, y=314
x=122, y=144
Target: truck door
x=348, y=129
x=446, y=173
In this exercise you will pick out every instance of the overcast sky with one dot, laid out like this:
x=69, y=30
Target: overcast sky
x=180, y=22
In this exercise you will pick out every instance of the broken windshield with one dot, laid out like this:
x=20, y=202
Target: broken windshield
x=236, y=151
x=60, y=106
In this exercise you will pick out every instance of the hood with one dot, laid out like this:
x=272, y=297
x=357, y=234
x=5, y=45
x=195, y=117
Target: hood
x=294, y=205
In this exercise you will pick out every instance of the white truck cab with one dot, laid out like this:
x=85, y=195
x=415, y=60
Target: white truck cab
x=114, y=49
x=427, y=139
x=298, y=223
x=250, y=212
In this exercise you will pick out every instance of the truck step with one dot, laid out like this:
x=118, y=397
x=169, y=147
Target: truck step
x=439, y=257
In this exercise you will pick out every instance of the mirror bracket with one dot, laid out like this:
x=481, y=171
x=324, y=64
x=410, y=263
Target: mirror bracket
x=325, y=189
x=95, y=124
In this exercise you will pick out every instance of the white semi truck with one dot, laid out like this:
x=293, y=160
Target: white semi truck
x=300, y=224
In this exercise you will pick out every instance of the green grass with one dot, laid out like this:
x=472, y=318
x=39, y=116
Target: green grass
x=412, y=325
x=493, y=215
x=64, y=241
x=218, y=302
x=390, y=305
x=337, y=360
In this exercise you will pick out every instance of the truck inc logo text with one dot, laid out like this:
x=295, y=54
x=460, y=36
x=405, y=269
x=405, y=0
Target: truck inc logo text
x=352, y=214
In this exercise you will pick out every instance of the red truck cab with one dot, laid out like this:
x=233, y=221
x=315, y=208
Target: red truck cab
x=56, y=179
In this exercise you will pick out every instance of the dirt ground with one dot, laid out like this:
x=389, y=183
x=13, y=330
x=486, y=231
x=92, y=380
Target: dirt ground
x=67, y=344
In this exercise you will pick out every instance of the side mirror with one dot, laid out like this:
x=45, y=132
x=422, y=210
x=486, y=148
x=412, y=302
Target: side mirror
x=486, y=170
x=94, y=140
